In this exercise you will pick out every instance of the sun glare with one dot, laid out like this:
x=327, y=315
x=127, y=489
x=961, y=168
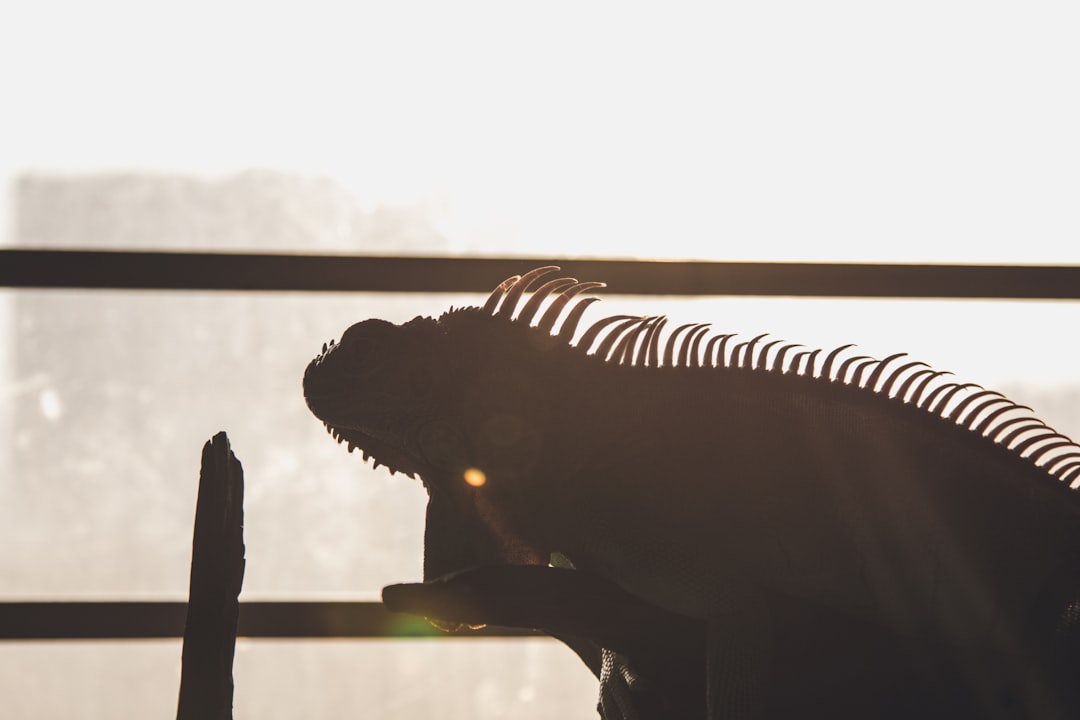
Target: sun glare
x=475, y=477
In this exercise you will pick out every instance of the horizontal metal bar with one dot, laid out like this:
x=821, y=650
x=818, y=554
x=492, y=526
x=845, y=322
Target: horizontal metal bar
x=314, y=273
x=148, y=620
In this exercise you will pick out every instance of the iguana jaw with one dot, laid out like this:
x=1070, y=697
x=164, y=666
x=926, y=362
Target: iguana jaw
x=343, y=417
x=383, y=453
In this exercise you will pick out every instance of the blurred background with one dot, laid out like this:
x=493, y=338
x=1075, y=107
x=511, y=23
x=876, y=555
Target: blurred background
x=928, y=132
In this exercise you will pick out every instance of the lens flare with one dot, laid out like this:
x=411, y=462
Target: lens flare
x=475, y=477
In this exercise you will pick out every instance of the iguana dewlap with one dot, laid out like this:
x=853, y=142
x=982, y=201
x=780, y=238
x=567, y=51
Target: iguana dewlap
x=704, y=473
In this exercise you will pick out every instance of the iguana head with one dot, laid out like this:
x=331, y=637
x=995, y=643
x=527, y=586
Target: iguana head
x=439, y=397
x=383, y=388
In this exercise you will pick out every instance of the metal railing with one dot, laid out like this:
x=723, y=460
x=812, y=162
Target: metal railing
x=344, y=273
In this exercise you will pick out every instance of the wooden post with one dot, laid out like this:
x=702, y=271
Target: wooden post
x=217, y=572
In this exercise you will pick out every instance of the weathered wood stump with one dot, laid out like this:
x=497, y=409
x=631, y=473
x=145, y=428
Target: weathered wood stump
x=217, y=572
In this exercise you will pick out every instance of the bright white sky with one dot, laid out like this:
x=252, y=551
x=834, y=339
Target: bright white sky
x=915, y=131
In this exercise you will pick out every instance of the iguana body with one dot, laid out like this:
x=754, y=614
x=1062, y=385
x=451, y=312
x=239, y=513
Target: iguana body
x=706, y=475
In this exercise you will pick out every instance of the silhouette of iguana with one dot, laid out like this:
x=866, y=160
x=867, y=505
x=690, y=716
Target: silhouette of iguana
x=710, y=477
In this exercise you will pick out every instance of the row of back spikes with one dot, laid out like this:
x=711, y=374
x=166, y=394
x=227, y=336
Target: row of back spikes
x=635, y=341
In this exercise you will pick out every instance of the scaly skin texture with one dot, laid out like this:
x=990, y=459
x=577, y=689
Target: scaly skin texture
x=715, y=479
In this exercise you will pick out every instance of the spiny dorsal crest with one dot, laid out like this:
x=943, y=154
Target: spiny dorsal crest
x=636, y=341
